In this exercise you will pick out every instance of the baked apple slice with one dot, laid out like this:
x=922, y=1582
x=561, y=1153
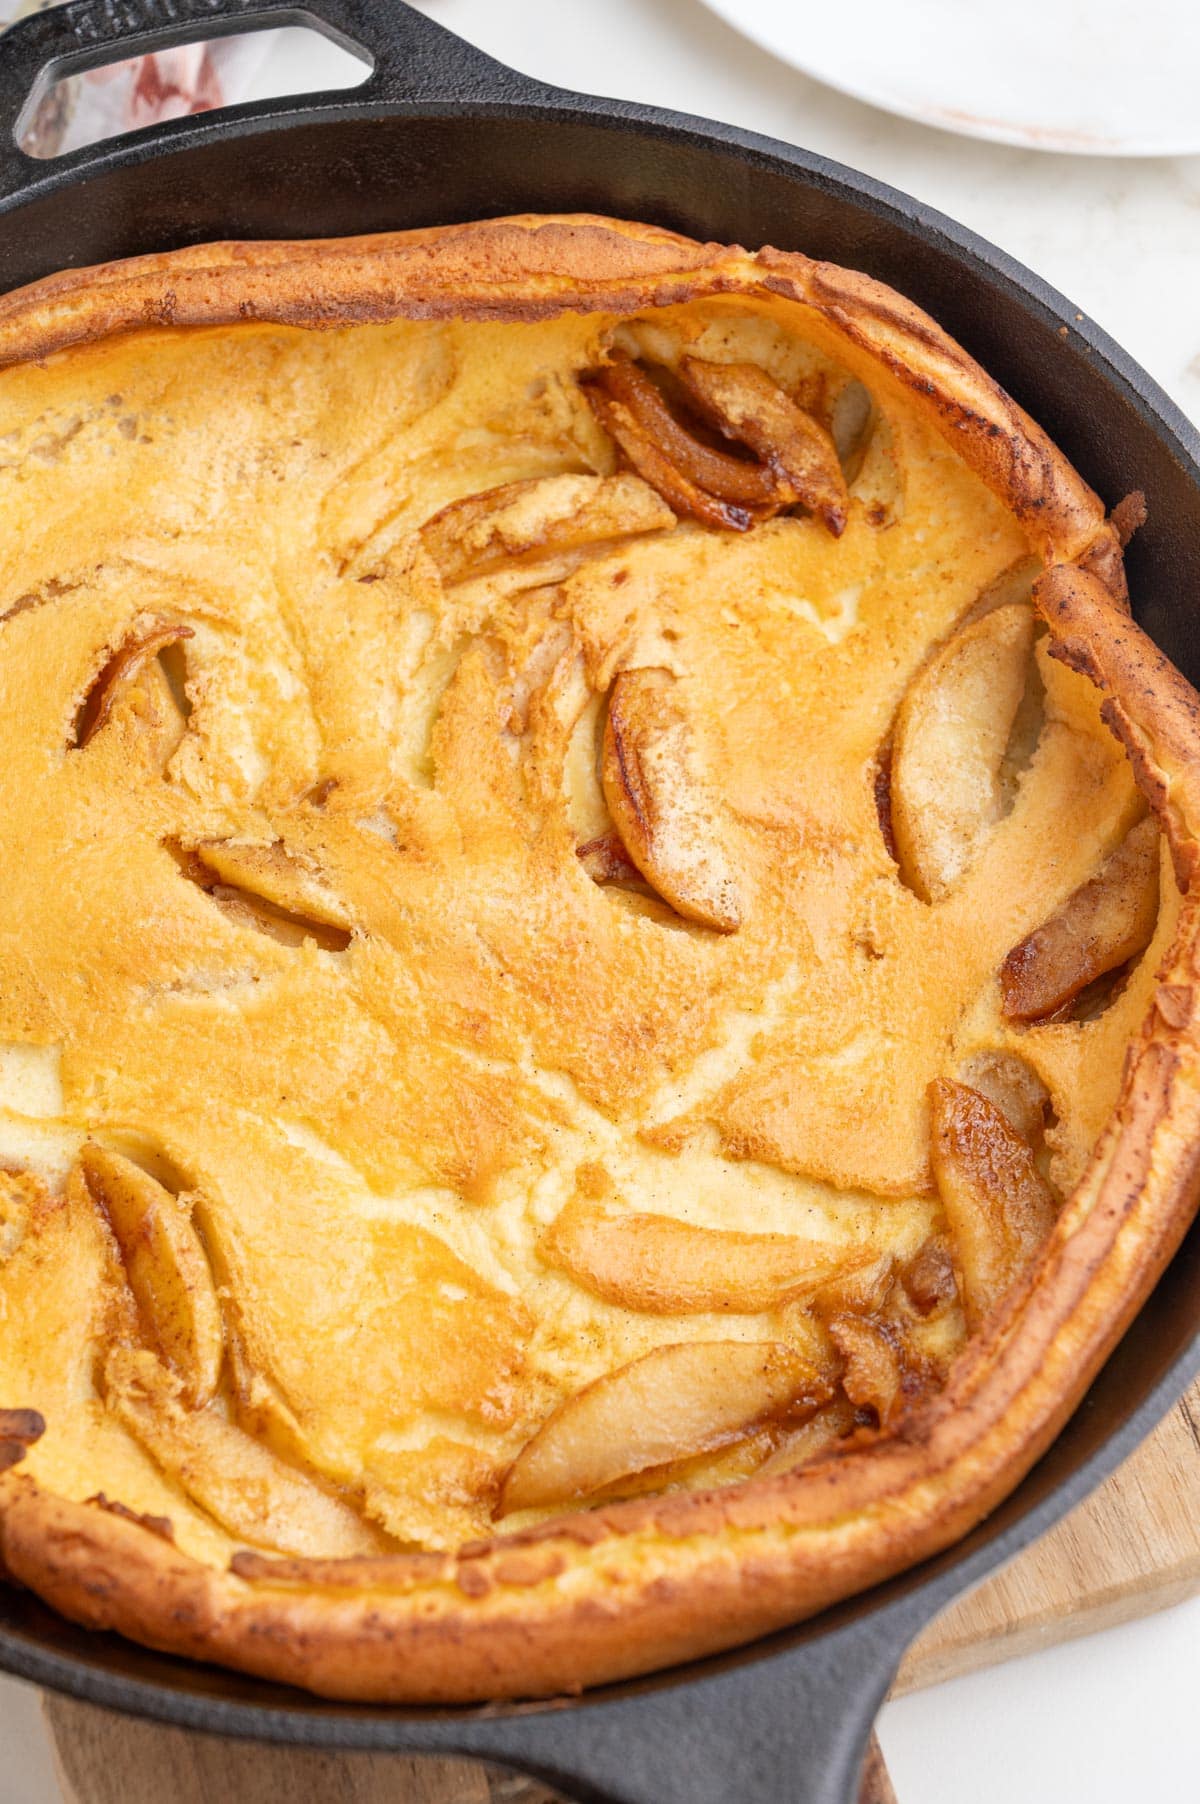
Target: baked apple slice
x=672, y=829
x=671, y=1404
x=795, y=461
x=676, y=483
x=950, y=738
x=19, y=1429
x=540, y=517
x=1010, y=1082
x=166, y=1266
x=269, y=888
x=999, y=1207
x=239, y=1481
x=728, y=478
x=606, y=861
x=928, y=1277
x=873, y=1369
x=1101, y=926
x=160, y=706
x=747, y=405
x=662, y=1266
x=135, y=652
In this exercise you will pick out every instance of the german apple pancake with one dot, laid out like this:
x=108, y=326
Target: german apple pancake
x=597, y=954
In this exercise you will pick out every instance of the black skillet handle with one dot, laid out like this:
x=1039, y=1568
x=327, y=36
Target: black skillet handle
x=788, y=1729
x=412, y=58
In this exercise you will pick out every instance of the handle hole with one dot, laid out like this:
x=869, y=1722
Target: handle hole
x=207, y=75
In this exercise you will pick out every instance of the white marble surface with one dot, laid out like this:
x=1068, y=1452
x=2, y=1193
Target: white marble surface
x=1109, y=1719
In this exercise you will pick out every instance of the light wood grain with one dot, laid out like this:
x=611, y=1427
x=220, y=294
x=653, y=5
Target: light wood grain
x=107, y=1759
x=876, y=1786
x=1131, y=1549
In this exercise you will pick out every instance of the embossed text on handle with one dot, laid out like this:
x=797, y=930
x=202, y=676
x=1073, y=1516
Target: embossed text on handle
x=107, y=21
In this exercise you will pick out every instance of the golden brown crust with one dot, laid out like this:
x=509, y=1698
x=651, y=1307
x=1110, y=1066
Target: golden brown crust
x=528, y=266
x=1012, y=454
x=660, y=1579
x=1153, y=711
x=521, y=268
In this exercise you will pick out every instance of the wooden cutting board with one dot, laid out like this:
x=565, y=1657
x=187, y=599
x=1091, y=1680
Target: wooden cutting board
x=1132, y=1548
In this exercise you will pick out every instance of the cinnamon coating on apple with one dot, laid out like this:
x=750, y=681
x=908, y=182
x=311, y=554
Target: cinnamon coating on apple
x=794, y=462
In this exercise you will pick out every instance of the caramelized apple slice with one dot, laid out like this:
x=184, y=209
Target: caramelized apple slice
x=670, y=827
x=851, y=419
x=166, y=1267
x=858, y=1290
x=798, y=460
x=543, y=515
x=19, y=1429
x=747, y=405
x=819, y=1435
x=951, y=734
x=678, y=488
x=998, y=1205
x=249, y=1491
x=873, y=1371
x=275, y=874
x=270, y=889
x=667, y=1267
x=928, y=1277
x=145, y=642
x=1010, y=1082
x=1105, y=922
x=606, y=861
x=159, y=706
x=678, y=1401
x=728, y=478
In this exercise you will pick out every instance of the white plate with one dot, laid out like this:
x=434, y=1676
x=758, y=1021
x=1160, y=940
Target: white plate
x=1098, y=78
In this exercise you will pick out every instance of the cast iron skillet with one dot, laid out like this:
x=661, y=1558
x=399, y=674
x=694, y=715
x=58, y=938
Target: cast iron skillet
x=442, y=133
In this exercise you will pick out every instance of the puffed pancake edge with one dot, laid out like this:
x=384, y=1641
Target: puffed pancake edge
x=658, y=1580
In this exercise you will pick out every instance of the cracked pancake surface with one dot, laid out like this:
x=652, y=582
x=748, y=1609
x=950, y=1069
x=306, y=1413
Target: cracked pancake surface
x=507, y=952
